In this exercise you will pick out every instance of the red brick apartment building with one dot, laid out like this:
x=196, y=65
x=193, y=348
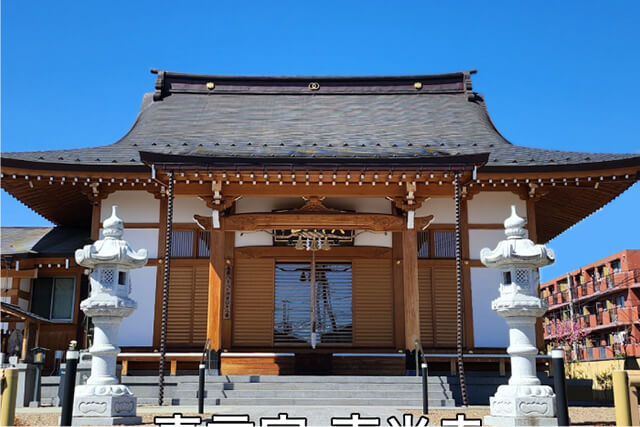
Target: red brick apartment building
x=598, y=305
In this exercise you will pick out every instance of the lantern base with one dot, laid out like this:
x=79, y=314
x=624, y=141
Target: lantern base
x=104, y=405
x=491, y=420
x=106, y=421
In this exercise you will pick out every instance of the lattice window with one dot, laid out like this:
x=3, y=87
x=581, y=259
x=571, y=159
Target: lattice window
x=107, y=276
x=522, y=277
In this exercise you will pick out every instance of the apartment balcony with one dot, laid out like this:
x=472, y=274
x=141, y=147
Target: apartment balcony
x=594, y=289
x=604, y=319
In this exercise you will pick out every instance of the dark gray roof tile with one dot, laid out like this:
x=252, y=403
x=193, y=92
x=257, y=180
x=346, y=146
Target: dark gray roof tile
x=364, y=118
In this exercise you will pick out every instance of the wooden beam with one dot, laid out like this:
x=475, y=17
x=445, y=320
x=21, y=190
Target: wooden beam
x=216, y=282
x=339, y=253
x=286, y=221
x=411, y=289
x=31, y=273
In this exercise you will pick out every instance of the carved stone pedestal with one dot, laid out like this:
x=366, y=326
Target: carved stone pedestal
x=515, y=405
x=104, y=405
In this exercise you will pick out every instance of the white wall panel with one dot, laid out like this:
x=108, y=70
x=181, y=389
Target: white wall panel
x=493, y=207
x=5, y=282
x=267, y=204
x=253, y=238
x=25, y=285
x=359, y=204
x=185, y=207
x=23, y=304
x=133, y=206
x=443, y=210
x=479, y=239
x=139, y=238
x=489, y=329
x=137, y=329
x=369, y=238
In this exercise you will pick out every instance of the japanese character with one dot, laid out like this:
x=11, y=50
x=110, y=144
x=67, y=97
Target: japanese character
x=177, y=420
x=408, y=421
x=461, y=421
x=283, y=420
x=355, y=421
x=230, y=421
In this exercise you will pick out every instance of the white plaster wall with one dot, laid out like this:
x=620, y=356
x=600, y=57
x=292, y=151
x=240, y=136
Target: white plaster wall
x=137, y=329
x=25, y=285
x=443, y=210
x=369, y=238
x=185, y=207
x=493, y=207
x=267, y=204
x=359, y=204
x=489, y=329
x=139, y=238
x=23, y=304
x=5, y=283
x=479, y=239
x=133, y=206
x=253, y=238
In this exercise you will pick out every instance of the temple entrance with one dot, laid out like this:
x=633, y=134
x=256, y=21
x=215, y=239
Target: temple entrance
x=313, y=304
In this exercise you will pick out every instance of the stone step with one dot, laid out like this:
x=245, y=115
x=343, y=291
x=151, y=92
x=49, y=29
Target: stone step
x=313, y=386
x=310, y=394
x=286, y=378
x=405, y=403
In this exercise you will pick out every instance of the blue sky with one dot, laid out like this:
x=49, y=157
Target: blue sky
x=556, y=75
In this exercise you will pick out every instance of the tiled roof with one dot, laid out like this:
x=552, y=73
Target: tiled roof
x=280, y=118
x=42, y=241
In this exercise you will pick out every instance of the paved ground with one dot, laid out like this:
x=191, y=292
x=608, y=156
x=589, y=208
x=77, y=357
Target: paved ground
x=317, y=416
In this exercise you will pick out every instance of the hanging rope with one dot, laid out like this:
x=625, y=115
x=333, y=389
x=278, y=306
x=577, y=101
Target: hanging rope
x=165, y=291
x=459, y=326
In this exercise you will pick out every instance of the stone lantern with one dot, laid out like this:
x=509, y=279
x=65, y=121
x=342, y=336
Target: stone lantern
x=103, y=400
x=524, y=401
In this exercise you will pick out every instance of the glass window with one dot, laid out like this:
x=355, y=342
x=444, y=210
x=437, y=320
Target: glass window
x=203, y=244
x=444, y=244
x=423, y=244
x=182, y=244
x=53, y=297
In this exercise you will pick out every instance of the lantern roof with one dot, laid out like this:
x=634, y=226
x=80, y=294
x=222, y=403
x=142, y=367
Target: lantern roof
x=111, y=250
x=516, y=249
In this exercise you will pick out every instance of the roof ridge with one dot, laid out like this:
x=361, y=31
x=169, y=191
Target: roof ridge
x=169, y=82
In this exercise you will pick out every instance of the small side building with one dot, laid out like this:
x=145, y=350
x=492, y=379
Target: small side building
x=41, y=280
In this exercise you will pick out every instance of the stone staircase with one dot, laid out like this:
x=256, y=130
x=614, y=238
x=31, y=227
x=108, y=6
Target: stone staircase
x=296, y=391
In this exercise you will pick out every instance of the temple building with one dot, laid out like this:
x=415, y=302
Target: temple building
x=302, y=224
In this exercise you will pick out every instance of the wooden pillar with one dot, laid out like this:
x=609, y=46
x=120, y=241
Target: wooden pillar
x=466, y=275
x=95, y=220
x=162, y=239
x=25, y=340
x=216, y=283
x=229, y=248
x=398, y=291
x=411, y=290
